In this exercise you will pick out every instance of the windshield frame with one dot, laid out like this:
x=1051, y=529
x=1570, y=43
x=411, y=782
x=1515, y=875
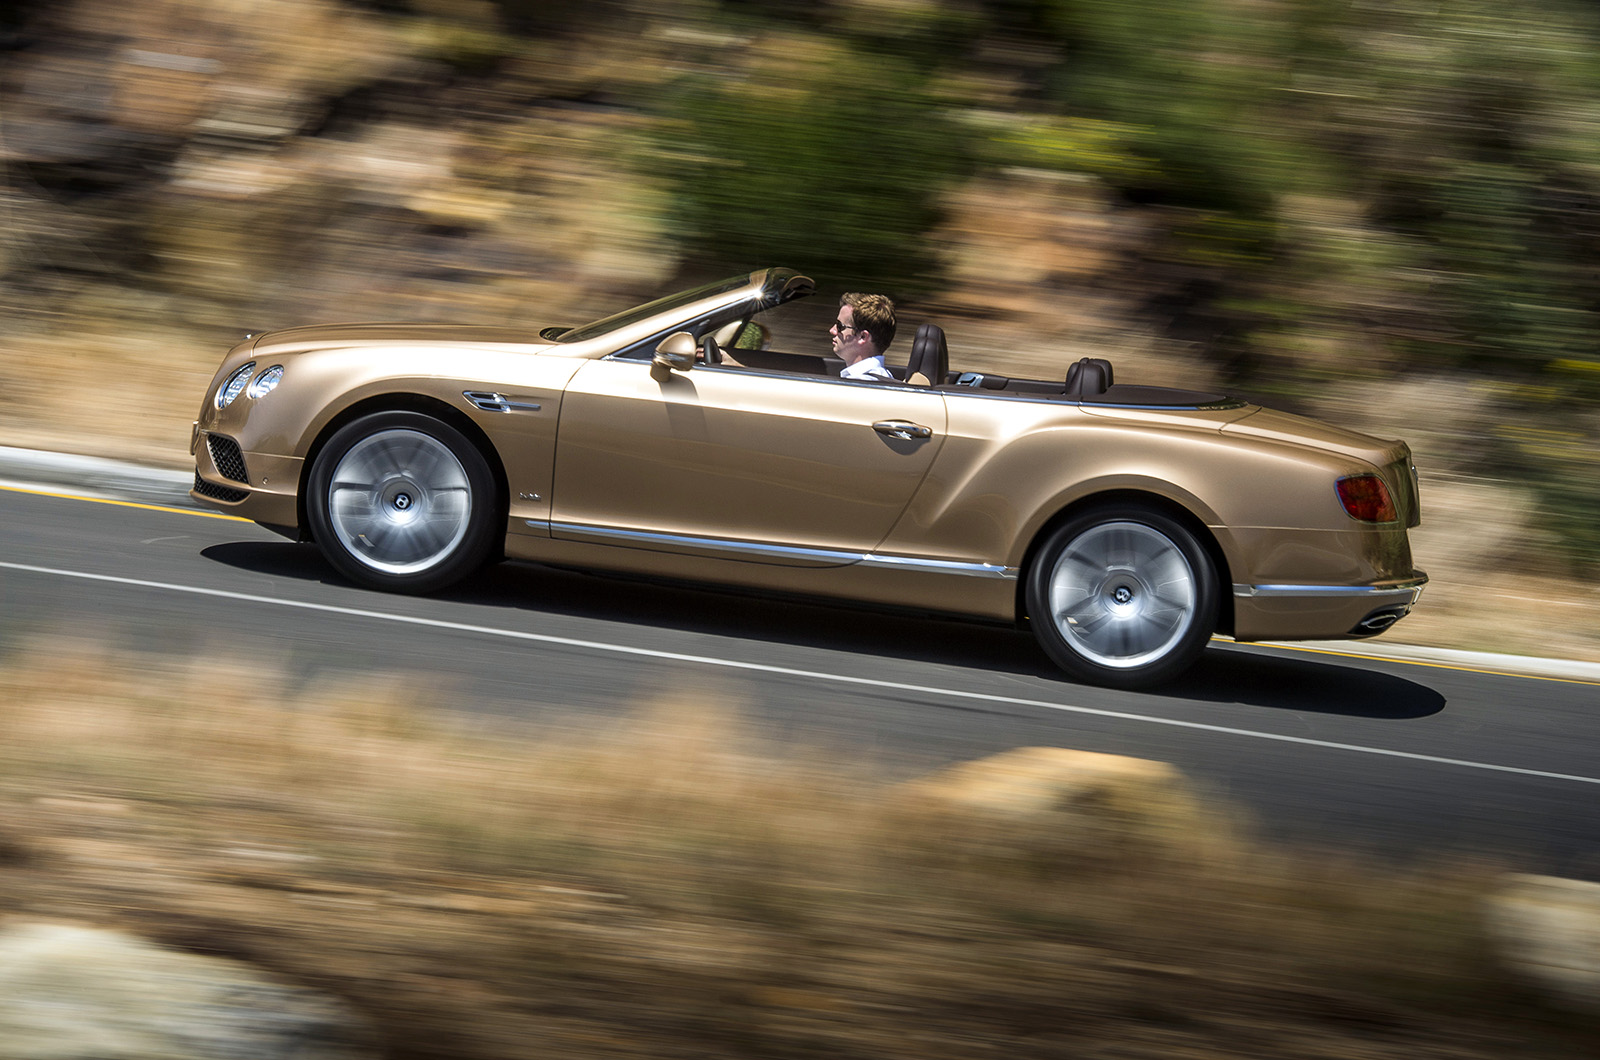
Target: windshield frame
x=771, y=287
x=617, y=321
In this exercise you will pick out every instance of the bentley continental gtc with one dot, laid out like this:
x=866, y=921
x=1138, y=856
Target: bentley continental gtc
x=696, y=438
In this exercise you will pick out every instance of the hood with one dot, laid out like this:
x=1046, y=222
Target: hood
x=1272, y=425
x=324, y=336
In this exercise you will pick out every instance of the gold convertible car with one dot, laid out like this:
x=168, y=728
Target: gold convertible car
x=1124, y=524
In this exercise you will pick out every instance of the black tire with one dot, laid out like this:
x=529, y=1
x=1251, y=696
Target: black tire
x=1122, y=596
x=403, y=502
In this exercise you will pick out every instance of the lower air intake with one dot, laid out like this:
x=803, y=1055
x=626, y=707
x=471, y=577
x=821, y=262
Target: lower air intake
x=217, y=493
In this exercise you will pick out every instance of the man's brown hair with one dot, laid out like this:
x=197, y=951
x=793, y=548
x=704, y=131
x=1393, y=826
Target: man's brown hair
x=874, y=314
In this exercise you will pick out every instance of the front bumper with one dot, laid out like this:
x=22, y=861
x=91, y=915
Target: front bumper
x=1322, y=612
x=259, y=486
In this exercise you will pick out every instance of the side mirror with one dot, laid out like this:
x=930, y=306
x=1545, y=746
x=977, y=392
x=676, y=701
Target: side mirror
x=676, y=352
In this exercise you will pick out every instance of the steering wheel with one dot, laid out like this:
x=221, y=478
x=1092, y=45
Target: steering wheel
x=710, y=351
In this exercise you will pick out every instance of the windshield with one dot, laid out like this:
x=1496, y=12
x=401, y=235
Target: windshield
x=650, y=309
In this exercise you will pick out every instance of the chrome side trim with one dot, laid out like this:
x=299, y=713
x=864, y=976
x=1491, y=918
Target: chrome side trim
x=489, y=401
x=1210, y=406
x=734, y=548
x=940, y=566
x=1411, y=587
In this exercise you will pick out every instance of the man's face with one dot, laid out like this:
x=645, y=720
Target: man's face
x=848, y=340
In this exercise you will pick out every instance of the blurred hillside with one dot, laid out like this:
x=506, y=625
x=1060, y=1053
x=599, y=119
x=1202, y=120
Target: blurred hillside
x=1386, y=215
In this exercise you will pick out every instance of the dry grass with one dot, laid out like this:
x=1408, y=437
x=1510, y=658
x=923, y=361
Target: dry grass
x=158, y=377
x=670, y=887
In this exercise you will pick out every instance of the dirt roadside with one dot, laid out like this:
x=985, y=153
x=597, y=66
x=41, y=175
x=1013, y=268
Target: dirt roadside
x=672, y=887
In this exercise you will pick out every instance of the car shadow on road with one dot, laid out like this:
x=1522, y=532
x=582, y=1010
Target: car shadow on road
x=277, y=559
x=750, y=616
x=1223, y=675
x=1227, y=674
x=720, y=612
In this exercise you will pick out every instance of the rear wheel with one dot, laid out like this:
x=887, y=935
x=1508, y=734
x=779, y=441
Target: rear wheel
x=1123, y=596
x=402, y=501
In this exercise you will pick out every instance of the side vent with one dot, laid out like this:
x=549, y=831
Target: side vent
x=489, y=401
x=229, y=460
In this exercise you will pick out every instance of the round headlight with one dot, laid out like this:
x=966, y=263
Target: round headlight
x=266, y=381
x=234, y=386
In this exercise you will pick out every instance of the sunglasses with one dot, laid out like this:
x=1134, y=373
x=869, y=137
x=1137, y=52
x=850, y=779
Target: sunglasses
x=842, y=327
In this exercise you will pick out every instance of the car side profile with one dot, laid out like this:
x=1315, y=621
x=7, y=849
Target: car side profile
x=1124, y=524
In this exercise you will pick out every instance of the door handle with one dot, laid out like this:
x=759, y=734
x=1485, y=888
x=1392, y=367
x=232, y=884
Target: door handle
x=902, y=429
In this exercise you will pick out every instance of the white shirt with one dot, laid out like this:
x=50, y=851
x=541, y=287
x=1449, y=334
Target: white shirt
x=866, y=368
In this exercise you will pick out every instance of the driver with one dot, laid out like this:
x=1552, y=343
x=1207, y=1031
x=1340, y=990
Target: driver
x=863, y=331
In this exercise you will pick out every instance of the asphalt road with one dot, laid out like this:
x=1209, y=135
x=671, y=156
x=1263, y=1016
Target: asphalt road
x=1398, y=758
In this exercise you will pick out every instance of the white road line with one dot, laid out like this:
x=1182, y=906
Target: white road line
x=815, y=675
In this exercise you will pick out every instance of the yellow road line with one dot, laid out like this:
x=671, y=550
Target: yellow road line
x=123, y=504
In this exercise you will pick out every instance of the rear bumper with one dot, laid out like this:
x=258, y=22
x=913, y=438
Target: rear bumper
x=1322, y=612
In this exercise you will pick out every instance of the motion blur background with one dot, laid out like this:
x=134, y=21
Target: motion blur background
x=1385, y=214
x=1382, y=212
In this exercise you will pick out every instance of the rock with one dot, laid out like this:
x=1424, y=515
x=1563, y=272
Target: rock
x=1134, y=796
x=69, y=992
x=1547, y=930
x=160, y=90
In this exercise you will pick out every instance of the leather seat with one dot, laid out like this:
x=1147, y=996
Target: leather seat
x=930, y=357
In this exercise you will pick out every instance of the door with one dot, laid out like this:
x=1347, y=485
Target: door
x=746, y=464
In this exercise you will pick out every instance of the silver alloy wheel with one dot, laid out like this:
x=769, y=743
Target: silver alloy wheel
x=400, y=501
x=1122, y=594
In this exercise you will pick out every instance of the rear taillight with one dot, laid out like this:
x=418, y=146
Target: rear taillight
x=1366, y=498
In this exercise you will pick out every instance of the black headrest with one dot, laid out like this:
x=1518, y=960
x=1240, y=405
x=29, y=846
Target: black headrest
x=930, y=357
x=1089, y=377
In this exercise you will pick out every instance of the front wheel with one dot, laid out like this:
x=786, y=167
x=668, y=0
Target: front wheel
x=1124, y=596
x=403, y=502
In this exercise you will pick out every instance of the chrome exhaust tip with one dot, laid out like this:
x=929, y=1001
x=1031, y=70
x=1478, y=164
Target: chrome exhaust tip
x=1379, y=621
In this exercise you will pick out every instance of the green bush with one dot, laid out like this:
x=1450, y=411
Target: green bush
x=831, y=163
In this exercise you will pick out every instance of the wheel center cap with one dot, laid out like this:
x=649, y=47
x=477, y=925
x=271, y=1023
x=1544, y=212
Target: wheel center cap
x=1122, y=594
x=402, y=502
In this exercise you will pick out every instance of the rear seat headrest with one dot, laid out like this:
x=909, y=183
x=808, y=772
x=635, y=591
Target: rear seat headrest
x=930, y=357
x=1089, y=377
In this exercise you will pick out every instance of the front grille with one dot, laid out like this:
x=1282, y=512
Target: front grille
x=217, y=493
x=225, y=454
